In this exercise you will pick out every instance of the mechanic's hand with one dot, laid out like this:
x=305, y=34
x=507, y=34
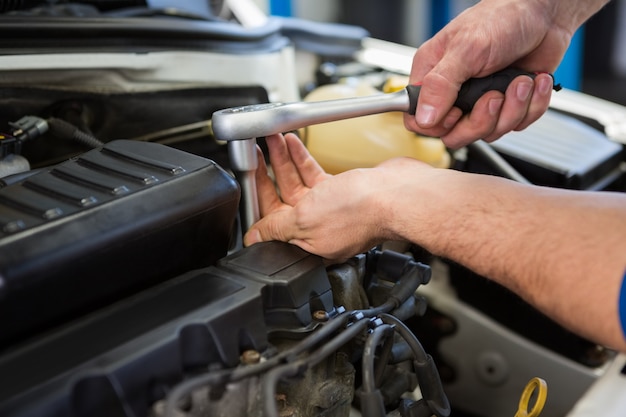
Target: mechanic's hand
x=332, y=216
x=486, y=38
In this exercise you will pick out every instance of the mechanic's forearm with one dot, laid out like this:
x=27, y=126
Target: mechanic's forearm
x=563, y=251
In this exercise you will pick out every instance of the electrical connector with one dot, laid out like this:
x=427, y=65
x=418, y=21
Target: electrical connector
x=31, y=127
x=28, y=127
x=9, y=145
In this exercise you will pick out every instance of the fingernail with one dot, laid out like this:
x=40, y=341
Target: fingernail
x=495, y=104
x=426, y=115
x=253, y=236
x=523, y=91
x=545, y=85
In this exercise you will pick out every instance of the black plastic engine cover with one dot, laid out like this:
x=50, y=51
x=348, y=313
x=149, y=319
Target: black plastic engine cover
x=105, y=225
x=118, y=361
x=296, y=282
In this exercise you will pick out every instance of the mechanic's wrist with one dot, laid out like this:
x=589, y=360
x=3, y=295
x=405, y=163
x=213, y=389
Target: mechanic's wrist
x=411, y=200
x=571, y=14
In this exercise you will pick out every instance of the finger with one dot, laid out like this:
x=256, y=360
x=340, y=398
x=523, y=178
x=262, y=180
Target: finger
x=278, y=225
x=441, y=84
x=478, y=124
x=515, y=107
x=437, y=95
x=540, y=100
x=286, y=173
x=435, y=114
x=278, y=153
x=441, y=129
x=310, y=171
x=266, y=191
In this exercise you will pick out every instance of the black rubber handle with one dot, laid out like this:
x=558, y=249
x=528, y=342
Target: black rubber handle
x=474, y=88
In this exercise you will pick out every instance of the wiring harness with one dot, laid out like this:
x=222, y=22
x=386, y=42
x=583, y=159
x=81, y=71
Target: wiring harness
x=372, y=332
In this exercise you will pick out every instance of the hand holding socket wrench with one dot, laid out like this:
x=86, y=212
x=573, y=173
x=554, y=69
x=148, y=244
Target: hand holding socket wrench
x=240, y=126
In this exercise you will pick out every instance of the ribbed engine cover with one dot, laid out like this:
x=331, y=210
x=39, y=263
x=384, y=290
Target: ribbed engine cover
x=105, y=225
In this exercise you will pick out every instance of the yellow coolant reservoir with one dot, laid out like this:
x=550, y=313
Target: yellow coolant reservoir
x=366, y=141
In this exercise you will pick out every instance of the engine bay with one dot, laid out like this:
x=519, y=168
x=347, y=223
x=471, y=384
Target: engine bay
x=125, y=289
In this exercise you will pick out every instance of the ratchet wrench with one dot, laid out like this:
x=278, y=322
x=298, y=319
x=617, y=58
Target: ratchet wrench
x=259, y=120
x=240, y=126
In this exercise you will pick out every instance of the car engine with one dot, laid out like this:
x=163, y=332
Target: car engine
x=101, y=236
x=262, y=331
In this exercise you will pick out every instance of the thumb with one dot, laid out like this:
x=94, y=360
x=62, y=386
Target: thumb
x=441, y=65
x=436, y=97
x=274, y=226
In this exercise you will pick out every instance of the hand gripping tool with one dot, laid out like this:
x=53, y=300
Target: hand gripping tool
x=240, y=126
